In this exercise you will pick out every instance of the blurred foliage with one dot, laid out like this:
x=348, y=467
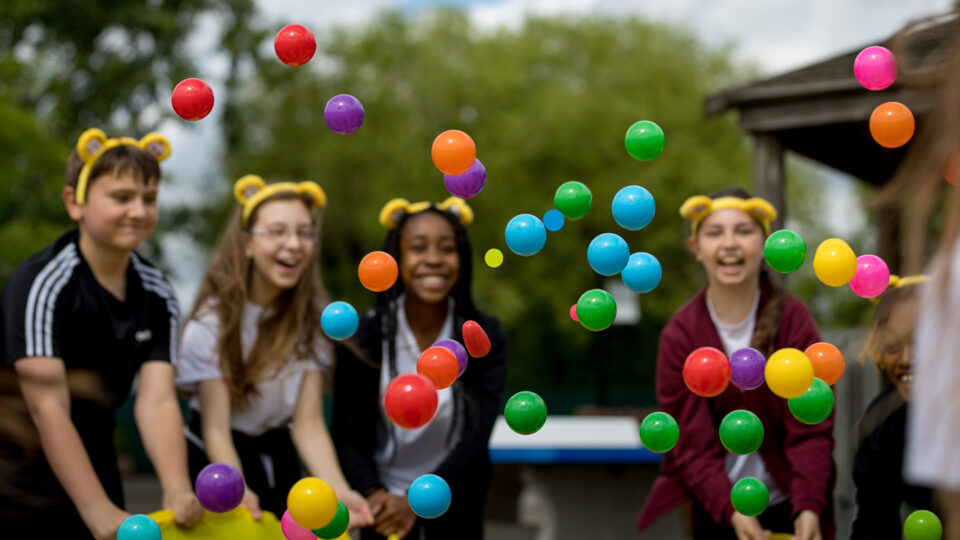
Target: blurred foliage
x=547, y=103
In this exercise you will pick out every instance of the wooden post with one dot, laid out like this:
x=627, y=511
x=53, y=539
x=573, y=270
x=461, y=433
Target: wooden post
x=768, y=180
x=888, y=244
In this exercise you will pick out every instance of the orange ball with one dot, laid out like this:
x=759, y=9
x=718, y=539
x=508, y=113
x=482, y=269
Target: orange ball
x=892, y=124
x=439, y=365
x=951, y=171
x=453, y=152
x=827, y=361
x=378, y=271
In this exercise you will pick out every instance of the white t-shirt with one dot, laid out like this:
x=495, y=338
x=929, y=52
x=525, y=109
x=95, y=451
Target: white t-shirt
x=933, y=422
x=273, y=404
x=410, y=453
x=736, y=337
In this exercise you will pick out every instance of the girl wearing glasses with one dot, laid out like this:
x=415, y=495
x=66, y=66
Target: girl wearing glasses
x=877, y=466
x=253, y=356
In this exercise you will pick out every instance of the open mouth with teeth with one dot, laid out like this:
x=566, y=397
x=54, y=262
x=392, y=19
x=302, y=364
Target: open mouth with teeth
x=288, y=264
x=432, y=281
x=905, y=378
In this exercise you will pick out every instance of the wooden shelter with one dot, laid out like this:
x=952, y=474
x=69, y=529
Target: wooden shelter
x=820, y=111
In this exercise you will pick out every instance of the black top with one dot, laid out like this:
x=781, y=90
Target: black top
x=877, y=470
x=357, y=412
x=53, y=306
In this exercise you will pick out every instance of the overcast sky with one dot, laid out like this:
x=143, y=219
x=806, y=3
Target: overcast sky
x=775, y=35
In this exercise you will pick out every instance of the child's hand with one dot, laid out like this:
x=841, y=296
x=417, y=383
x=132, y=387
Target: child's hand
x=103, y=520
x=252, y=503
x=395, y=517
x=748, y=528
x=807, y=526
x=187, y=511
x=360, y=513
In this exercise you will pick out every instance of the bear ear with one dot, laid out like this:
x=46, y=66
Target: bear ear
x=248, y=186
x=696, y=207
x=761, y=209
x=90, y=142
x=459, y=208
x=157, y=145
x=393, y=211
x=314, y=191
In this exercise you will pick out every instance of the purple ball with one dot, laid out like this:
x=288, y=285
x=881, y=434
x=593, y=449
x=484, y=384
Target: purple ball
x=468, y=184
x=747, y=367
x=219, y=487
x=343, y=114
x=457, y=350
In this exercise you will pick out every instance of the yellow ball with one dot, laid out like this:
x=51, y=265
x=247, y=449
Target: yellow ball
x=834, y=263
x=493, y=258
x=789, y=373
x=312, y=503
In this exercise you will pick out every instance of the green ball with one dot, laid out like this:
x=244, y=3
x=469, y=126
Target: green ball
x=749, y=496
x=815, y=405
x=922, y=525
x=659, y=432
x=573, y=199
x=337, y=526
x=644, y=140
x=741, y=432
x=785, y=251
x=596, y=310
x=525, y=412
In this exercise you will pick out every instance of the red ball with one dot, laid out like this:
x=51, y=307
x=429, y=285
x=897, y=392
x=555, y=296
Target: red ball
x=295, y=45
x=707, y=372
x=410, y=401
x=439, y=365
x=192, y=99
x=475, y=339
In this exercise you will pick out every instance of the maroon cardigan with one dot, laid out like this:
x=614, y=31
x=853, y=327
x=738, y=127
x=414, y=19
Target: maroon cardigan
x=797, y=456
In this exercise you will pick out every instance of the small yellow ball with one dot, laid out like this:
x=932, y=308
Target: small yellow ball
x=493, y=258
x=834, y=263
x=789, y=373
x=312, y=503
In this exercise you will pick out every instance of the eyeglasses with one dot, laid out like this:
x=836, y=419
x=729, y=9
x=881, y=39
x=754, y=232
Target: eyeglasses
x=280, y=236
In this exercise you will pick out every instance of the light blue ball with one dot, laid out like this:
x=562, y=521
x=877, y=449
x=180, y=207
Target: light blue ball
x=553, y=220
x=429, y=496
x=525, y=235
x=608, y=254
x=139, y=527
x=339, y=320
x=642, y=273
x=633, y=208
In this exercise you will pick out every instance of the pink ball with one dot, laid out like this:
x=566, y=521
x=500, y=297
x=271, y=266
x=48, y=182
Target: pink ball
x=292, y=531
x=872, y=277
x=573, y=313
x=875, y=68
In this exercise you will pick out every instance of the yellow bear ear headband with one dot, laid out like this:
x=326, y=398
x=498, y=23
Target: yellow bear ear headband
x=251, y=190
x=94, y=142
x=394, y=210
x=699, y=206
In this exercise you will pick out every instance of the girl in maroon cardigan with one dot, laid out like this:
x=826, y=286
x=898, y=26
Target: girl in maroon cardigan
x=740, y=306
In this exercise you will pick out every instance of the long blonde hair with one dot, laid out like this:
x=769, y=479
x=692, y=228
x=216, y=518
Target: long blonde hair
x=291, y=325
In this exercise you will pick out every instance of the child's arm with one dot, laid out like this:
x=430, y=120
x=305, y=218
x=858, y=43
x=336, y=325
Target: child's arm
x=315, y=447
x=43, y=381
x=217, y=436
x=161, y=428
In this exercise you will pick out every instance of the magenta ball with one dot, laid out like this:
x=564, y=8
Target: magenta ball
x=343, y=114
x=457, y=349
x=746, y=368
x=872, y=277
x=219, y=487
x=293, y=531
x=468, y=184
x=875, y=68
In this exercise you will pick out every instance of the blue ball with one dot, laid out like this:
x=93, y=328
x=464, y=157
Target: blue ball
x=608, y=254
x=139, y=527
x=553, y=220
x=429, y=496
x=525, y=235
x=339, y=320
x=642, y=273
x=633, y=208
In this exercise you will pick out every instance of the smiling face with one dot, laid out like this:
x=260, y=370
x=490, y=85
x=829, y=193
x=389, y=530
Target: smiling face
x=120, y=211
x=429, y=262
x=280, y=243
x=729, y=245
x=895, y=347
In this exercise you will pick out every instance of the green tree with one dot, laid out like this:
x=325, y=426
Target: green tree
x=547, y=103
